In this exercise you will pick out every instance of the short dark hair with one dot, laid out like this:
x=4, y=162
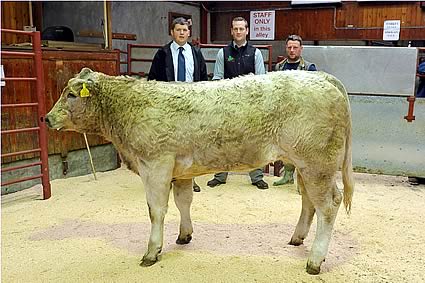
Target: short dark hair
x=179, y=21
x=240, y=19
x=294, y=37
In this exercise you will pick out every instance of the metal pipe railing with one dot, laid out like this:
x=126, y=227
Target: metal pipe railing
x=128, y=59
x=29, y=54
x=20, y=167
x=23, y=180
x=269, y=62
x=13, y=105
x=34, y=150
x=44, y=156
x=19, y=79
x=3, y=132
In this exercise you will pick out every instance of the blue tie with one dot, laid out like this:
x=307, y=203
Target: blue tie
x=181, y=66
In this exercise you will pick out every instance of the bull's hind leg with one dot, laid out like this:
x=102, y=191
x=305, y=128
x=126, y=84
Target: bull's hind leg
x=183, y=196
x=326, y=198
x=306, y=216
x=156, y=177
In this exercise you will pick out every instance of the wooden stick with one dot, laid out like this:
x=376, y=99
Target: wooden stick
x=115, y=35
x=91, y=159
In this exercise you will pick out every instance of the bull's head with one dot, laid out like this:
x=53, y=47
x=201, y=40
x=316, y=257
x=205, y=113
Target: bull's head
x=76, y=109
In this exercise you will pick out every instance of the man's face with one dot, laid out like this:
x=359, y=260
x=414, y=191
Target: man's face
x=180, y=34
x=293, y=49
x=239, y=31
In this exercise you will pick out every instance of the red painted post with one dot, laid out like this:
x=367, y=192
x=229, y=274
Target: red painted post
x=410, y=117
x=44, y=155
x=129, y=59
x=204, y=25
x=270, y=64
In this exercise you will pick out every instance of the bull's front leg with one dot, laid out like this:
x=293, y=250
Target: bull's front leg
x=183, y=195
x=156, y=177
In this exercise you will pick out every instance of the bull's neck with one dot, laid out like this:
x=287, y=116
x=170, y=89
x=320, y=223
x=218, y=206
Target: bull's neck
x=117, y=101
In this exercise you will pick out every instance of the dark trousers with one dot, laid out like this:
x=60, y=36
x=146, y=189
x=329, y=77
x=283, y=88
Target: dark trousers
x=255, y=175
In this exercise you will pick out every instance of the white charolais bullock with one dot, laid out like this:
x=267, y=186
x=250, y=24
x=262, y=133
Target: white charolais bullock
x=172, y=132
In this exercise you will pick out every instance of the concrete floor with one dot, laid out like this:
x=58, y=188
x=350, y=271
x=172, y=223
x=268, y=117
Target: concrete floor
x=96, y=231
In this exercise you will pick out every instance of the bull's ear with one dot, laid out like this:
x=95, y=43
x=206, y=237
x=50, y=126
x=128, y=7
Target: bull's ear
x=81, y=87
x=85, y=73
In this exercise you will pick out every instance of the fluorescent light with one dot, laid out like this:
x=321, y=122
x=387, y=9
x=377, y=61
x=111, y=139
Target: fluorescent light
x=301, y=2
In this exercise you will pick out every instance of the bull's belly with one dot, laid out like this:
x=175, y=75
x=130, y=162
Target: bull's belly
x=188, y=166
x=194, y=171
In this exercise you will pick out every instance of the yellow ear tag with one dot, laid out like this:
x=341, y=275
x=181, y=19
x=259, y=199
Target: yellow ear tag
x=84, y=92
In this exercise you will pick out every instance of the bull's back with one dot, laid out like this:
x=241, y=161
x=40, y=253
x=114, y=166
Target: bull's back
x=243, y=114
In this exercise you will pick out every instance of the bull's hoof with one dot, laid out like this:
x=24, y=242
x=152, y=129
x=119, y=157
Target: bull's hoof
x=296, y=242
x=311, y=269
x=184, y=241
x=147, y=262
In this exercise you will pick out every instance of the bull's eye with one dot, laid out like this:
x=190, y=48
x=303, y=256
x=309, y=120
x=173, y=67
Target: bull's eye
x=71, y=95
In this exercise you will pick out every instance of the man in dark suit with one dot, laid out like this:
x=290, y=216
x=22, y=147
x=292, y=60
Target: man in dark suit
x=165, y=64
x=179, y=61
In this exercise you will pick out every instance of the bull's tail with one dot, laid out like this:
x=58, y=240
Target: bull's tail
x=347, y=166
x=347, y=170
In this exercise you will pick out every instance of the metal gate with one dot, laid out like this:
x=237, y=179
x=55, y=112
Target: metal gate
x=41, y=129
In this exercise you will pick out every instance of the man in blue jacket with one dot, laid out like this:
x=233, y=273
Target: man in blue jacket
x=421, y=71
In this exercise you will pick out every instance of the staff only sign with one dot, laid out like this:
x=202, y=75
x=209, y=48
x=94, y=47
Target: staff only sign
x=262, y=25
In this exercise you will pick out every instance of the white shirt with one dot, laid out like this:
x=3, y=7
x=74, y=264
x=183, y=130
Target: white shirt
x=188, y=57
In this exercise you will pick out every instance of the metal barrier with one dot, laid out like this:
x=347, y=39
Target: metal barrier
x=267, y=61
x=150, y=50
x=130, y=58
x=122, y=62
x=41, y=112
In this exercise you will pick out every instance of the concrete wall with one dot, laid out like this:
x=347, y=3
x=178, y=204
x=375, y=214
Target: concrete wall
x=78, y=163
x=371, y=70
x=383, y=141
x=148, y=20
x=75, y=15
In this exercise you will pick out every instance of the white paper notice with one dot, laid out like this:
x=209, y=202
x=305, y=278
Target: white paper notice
x=2, y=83
x=262, y=25
x=391, y=30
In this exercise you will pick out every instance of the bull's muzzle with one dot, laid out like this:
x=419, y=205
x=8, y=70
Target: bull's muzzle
x=52, y=123
x=48, y=123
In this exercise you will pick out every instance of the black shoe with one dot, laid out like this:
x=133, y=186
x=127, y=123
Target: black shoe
x=261, y=185
x=413, y=181
x=214, y=182
x=416, y=180
x=196, y=188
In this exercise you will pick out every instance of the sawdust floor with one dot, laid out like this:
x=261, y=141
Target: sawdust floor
x=96, y=231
